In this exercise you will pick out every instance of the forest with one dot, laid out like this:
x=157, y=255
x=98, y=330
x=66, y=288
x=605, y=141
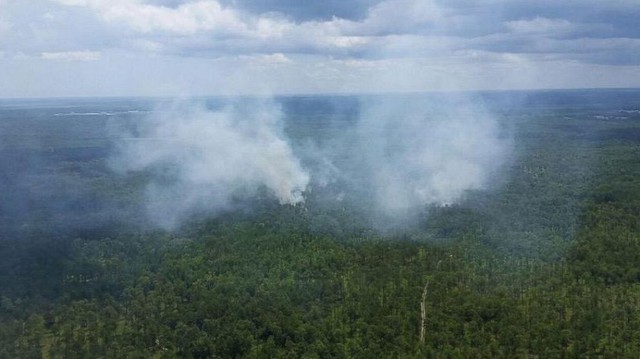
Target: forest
x=545, y=264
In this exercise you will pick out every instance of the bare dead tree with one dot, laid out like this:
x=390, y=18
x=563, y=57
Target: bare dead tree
x=423, y=308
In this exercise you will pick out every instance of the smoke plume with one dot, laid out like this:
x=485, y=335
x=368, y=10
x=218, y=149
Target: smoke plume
x=423, y=151
x=202, y=159
x=398, y=154
x=387, y=156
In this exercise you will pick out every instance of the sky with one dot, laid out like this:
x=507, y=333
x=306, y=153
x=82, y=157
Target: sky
x=69, y=48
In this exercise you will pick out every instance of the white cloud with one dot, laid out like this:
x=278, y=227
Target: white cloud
x=266, y=59
x=347, y=41
x=438, y=41
x=72, y=55
x=401, y=15
x=270, y=27
x=186, y=19
x=539, y=25
x=208, y=24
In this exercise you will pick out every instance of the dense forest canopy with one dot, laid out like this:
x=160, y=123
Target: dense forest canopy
x=544, y=262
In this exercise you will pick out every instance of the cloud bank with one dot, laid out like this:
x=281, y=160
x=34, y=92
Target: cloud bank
x=169, y=43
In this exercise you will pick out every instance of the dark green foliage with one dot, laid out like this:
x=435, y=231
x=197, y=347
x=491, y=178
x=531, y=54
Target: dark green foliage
x=544, y=265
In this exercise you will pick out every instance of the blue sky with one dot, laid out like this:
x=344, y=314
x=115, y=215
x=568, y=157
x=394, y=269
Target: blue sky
x=188, y=47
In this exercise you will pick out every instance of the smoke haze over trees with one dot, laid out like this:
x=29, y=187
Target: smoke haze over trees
x=540, y=260
x=319, y=179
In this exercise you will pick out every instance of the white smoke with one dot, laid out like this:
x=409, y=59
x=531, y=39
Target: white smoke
x=202, y=159
x=403, y=153
x=428, y=152
x=406, y=152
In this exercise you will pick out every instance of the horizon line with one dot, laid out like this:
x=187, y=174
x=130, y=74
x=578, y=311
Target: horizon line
x=310, y=94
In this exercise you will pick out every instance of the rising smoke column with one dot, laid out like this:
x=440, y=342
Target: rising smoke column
x=429, y=150
x=403, y=153
x=201, y=159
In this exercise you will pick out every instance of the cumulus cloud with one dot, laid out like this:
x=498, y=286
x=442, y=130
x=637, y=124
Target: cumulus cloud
x=309, y=38
x=185, y=19
x=427, y=27
x=208, y=23
x=400, y=16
